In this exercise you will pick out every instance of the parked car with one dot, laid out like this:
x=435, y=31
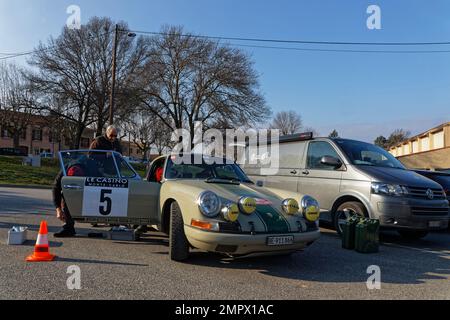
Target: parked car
x=352, y=177
x=442, y=178
x=209, y=206
x=12, y=152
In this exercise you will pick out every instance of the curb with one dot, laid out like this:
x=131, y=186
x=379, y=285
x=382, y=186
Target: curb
x=16, y=186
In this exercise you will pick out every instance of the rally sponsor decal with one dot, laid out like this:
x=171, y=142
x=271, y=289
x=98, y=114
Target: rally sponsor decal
x=105, y=197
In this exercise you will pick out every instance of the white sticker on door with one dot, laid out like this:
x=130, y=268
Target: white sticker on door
x=105, y=197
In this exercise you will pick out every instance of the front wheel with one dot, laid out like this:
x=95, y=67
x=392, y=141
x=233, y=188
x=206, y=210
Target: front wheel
x=345, y=211
x=178, y=243
x=413, y=234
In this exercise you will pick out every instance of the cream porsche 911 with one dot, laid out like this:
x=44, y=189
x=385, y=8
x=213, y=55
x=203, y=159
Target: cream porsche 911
x=200, y=202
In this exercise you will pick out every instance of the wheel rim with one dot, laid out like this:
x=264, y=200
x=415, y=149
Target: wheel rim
x=343, y=216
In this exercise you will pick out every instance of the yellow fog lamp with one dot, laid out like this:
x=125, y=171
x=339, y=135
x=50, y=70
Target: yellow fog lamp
x=310, y=208
x=290, y=206
x=230, y=212
x=247, y=205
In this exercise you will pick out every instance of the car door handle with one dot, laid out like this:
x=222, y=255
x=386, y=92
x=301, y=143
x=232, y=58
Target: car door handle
x=72, y=187
x=294, y=171
x=306, y=172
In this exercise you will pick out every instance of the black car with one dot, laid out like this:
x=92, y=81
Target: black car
x=12, y=152
x=440, y=177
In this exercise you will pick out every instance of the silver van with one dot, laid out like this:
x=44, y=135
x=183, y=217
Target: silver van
x=352, y=177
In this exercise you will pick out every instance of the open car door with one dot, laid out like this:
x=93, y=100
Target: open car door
x=100, y=186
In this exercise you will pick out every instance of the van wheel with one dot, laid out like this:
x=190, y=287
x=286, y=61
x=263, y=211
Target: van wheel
x=178, y=243
x=345, y=211
x=413, y=234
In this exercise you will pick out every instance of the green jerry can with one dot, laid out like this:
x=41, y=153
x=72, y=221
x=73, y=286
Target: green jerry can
x=348, y=232
x=367, y=236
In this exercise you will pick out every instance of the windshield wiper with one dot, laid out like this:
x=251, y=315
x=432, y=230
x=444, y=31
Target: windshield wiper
x=223, y=180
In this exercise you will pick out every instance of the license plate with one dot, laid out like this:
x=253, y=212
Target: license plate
x=434, y=224
x=280, y=241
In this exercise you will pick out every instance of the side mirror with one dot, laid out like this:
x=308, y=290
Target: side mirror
x=331, y=162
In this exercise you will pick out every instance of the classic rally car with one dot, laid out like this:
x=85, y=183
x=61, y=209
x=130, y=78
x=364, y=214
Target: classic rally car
x=209, y=204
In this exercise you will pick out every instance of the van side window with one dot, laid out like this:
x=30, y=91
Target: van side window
x=316, y=151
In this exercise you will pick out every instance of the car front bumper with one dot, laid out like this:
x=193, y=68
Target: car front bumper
x=244, y=244
x=412, y=213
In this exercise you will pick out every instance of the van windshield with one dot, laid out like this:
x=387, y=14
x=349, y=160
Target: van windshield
x=366, y=154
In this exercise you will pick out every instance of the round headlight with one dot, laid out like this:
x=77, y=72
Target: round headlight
x=310, y=208
x=209, y=204
x=231, y=212
x=290, y=206
x=247, y=205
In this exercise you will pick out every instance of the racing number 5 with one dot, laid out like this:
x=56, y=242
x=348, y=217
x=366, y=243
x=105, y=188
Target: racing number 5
x=103, y=198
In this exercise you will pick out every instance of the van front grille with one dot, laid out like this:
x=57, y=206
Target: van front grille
x=427, y=211
x=423, y=193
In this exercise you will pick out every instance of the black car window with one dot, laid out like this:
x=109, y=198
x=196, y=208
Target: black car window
x=316, y=151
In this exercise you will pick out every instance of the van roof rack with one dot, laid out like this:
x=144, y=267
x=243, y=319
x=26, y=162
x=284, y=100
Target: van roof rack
x=297, y=137
x=290, y=138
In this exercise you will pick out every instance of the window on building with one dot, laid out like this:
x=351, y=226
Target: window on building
x=37, y=134
x=438, y=140
x=85, y=142
x=425, y=144
x=406, y=150
x=415, y=146
x=23, y=134
x=5, y=132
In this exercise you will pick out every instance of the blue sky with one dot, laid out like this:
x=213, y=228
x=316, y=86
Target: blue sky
x=362, y=95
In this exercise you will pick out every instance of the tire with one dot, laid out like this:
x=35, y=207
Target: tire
x=412, y=234
x=178, y=243
x=353, y=207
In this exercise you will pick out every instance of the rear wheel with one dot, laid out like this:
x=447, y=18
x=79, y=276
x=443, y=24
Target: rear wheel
x=178, y=243
x=413, y=234
x=345, y=211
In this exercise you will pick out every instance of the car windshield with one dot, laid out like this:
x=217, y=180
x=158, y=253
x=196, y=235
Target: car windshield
x=95, y=163
x=205, y=171
x=366, y=154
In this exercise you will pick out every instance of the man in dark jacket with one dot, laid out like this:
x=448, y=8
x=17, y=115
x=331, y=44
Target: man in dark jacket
x=107, y=142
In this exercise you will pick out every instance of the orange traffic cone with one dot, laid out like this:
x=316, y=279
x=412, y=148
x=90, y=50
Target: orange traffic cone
x=41, y=249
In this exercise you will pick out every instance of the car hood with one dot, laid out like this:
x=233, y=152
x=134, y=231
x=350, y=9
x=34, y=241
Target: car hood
x=230, y=191
x=397, y=176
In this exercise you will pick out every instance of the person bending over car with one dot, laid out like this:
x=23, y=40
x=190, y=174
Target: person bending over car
x=62, y=212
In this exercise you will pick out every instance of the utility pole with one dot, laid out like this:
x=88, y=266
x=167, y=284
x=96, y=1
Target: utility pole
x=113, y=81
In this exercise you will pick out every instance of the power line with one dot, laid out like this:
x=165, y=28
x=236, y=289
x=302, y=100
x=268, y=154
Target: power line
x=340, y=50
x=20, y=54
x=296, y=41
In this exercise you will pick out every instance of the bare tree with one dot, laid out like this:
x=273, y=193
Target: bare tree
x=190, y=79
x=396, y=137
x=16, y=101
x=140, y=128
x=288, y=122
x=76, y=67
x=334, y=134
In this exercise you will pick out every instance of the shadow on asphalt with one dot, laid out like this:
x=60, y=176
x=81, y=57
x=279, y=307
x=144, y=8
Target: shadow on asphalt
x=326, y=262
x=90, y=261
x=27, y=204
x=400, y=261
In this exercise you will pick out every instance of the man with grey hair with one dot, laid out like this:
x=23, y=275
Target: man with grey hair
x=108, y=141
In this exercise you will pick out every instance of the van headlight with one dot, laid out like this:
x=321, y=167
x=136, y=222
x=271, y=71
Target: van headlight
x=290, y=206
x=310, y=208
x=209, y=204
x=386, y=189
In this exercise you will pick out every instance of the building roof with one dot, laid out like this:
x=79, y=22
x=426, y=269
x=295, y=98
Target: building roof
x=438, y=128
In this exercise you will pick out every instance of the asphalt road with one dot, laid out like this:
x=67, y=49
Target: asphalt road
x=142, y=270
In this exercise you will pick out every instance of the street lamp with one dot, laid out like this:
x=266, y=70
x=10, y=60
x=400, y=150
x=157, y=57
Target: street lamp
x=113, y=80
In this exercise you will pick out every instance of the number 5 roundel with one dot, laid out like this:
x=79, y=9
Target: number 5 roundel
x=105, y=197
